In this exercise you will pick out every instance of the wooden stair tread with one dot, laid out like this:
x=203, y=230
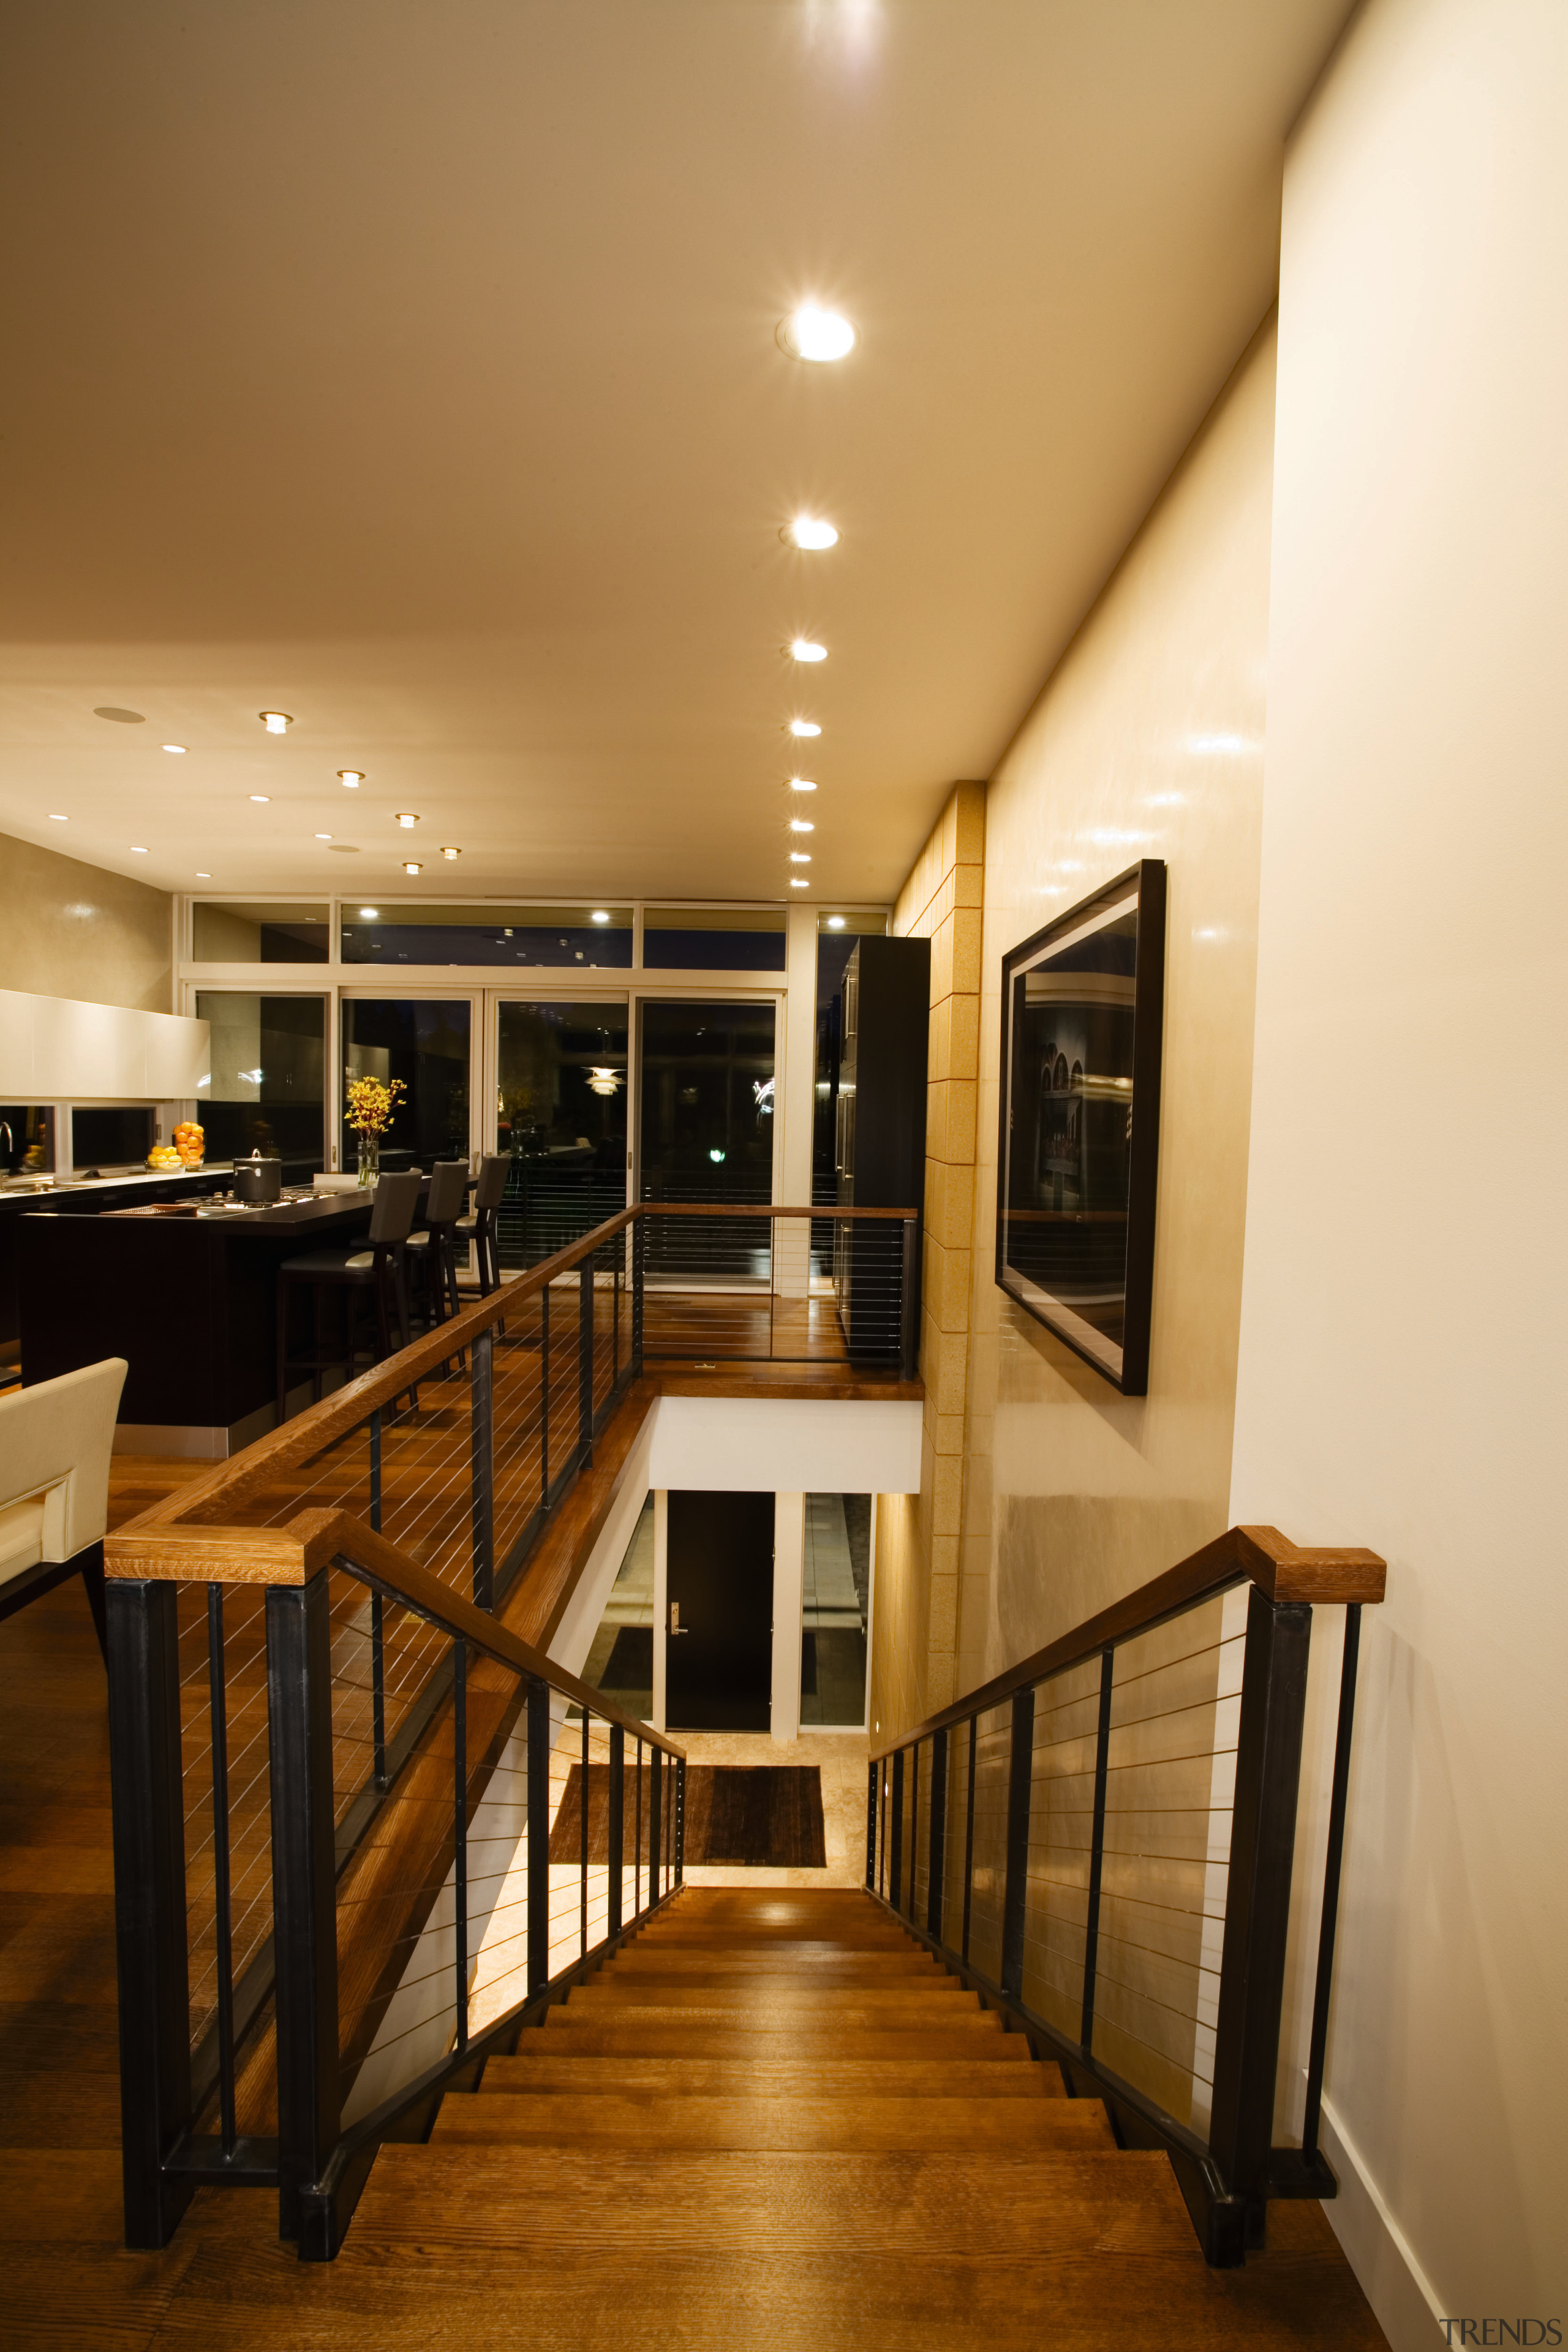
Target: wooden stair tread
x=538, y=2065
x=608, y=2038
x=610, y=1991
x=650, y=2120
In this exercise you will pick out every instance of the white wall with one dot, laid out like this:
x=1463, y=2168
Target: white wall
x=787, y=1446
x=1403, y=1295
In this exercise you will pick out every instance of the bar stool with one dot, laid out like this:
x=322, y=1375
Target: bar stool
x=483, y=1228
x=432, y=1249
x=355, y=1270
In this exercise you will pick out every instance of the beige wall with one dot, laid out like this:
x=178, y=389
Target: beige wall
x=71, y=930
x=1405, y=1296
x=914, y=1647
x=1146, y=742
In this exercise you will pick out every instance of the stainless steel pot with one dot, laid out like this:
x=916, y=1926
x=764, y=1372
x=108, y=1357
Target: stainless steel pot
x=258, y=1181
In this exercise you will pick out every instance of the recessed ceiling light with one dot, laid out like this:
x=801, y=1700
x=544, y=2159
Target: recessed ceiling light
x=836, y=922
x=370, y=914
x=798, y=882
x=412, y=866
x=125, y=717
x=813, y=333
x=801, y=824
x=262, y=797
x=801, y=785
x=137, y=851
x=803, y=649
x=201, y=876
x=174, y=747
x=323, y=836
x=350, y=776
x=600, y=915
x=276, y=722
x=803, y=727
x=809, y=531
x=451, y=853
x=405, y=818
x=59, y=820
x=800, y=857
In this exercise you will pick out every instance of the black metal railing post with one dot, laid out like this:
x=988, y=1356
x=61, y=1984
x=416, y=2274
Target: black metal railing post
x=545, y=1397
x=679, y=1820
x=304, y=1919
x=583, y=1846
x=147, y=1777
x=482, y=1450
x=639, y=1271
x=909, y=1301
x=616, y=1826
x=585, y=1361
x=460, y=1839
x=1333, y=1862
x=1258, y=1897
x=1016, y=1889
x=539, y=1833
x=969, y=1839
x=655, y=1821
x=1097, y=1845
x=223, y=1920
x=375, y=1469
x=896, y=1830
x=936, y=1857
x=914, y=1822
x=636, y=1842
x=871, y=1828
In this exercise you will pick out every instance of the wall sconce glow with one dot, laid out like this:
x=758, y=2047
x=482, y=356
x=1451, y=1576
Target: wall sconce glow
x=276, y=722
x=717, y=1158
x=809, y=531
x=599, y=914
x=370, y=914
x=451, y=853
x=836, y=922
x=261, y=799
x=801, y=824
x=800, y=857
x=405, y=818
x=812, y=333
x=412, y=866
x=351, y=777
x=56, y=819
x=802, y=649
x=803, y=727
x=603, y=1082
x=176, y=747
x=801, y=785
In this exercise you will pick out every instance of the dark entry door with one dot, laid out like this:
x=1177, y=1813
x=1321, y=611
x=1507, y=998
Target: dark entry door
x=719, y=1632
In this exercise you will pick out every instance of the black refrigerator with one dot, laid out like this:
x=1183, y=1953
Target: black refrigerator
x=881, y=1141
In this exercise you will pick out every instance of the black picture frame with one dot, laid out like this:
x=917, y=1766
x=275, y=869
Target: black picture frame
x=1079, y=1140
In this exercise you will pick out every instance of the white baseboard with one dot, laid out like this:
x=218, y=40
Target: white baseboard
x=1404, y=2299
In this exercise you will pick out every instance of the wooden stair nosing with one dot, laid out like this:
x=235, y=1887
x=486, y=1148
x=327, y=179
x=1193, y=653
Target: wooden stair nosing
x=856, y=2123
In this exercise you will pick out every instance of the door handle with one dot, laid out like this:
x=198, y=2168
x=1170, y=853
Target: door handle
x=675, y=1624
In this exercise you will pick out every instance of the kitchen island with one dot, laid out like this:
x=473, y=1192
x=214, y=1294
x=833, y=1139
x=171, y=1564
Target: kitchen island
x=188, y=1294
x=87, y=1196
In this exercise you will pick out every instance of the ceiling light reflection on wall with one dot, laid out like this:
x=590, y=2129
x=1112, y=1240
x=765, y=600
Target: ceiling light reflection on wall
x=809, y=531
x=813, y=333
x=803, y=727
x=804, y=649
x=276, y=722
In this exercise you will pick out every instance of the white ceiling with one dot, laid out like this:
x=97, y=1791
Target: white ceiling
x=411, y=368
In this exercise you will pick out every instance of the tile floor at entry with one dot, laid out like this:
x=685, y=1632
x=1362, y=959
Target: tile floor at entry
x=840, y=1756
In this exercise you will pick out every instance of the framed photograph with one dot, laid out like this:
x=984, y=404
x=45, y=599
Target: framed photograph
x=1082, y=1023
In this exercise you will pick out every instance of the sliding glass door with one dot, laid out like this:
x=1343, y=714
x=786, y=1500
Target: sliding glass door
x=705, y=1098
x=560, y=1115
x=263, y=1091
x=425, y=1041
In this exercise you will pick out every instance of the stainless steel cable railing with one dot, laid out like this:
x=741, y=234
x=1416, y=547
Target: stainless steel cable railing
x=1101, y=1841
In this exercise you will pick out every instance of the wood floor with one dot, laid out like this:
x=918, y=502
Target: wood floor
x=771, y=2122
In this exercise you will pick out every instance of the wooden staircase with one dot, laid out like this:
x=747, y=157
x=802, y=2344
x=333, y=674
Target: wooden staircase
x=773, y=2118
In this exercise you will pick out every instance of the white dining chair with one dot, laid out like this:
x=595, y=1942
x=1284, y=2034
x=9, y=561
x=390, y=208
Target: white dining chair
x=56, y=1440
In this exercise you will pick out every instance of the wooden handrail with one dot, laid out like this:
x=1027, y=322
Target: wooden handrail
x=1262, y=1556
x=311, y=1541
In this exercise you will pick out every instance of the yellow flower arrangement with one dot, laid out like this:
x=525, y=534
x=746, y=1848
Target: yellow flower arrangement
x=371, y=1103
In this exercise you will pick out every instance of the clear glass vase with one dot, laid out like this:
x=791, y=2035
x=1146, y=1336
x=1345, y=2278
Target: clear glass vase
x=369, y=1161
